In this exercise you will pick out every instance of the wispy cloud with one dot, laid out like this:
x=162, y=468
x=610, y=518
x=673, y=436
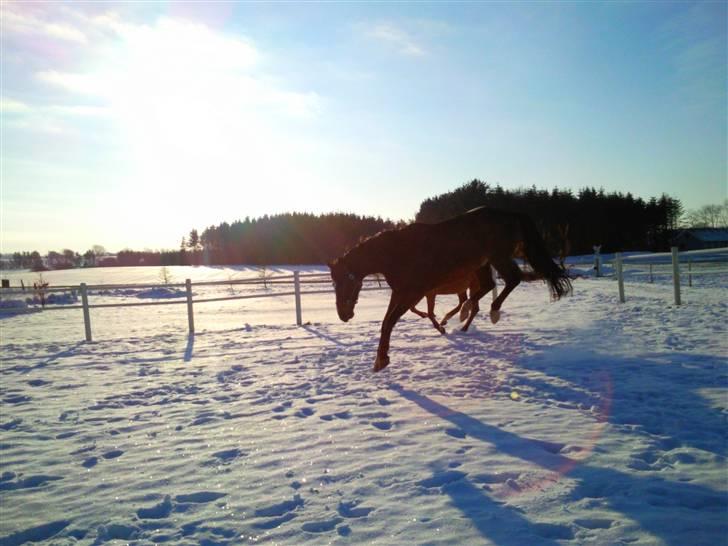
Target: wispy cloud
x=12, y=106
x=175, y=59
x=19, y=20
x=395, y=37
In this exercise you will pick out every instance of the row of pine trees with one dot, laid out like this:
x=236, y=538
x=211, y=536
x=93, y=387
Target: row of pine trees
x=570, y=223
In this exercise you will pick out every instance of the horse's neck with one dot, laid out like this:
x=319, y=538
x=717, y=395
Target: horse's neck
x=371, y=256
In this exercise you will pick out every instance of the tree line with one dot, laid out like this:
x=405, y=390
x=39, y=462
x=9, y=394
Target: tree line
x=570, y=222
x=65, y=259
x=614, y=220
x=291, y=238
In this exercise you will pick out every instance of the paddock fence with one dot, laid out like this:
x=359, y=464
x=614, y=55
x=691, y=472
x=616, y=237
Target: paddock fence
x=647, y=267
x=296, y=281
x=678, y=268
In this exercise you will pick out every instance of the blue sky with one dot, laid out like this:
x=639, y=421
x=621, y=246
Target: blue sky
x=128, y=124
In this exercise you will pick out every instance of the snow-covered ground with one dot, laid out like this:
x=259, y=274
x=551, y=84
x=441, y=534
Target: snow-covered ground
x=581, y=421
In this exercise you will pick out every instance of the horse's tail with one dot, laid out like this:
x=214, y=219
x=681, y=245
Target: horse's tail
x=537, y=255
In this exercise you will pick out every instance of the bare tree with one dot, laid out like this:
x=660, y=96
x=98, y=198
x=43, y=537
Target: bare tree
x=164, y=275
x=98, y=250
x=708, y=216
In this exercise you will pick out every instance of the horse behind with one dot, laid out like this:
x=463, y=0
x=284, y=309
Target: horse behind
x=481, y=280
x=419, y=257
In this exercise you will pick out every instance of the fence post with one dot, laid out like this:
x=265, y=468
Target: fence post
x=297, y=291
x=86, y=314
x=620, y=276
x=650, y=273
x=676, y=274
x=190, y=314
x=597, y=260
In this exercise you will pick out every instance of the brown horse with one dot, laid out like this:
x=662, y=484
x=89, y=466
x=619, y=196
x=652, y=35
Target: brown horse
x=480, y=278
x=420, y=257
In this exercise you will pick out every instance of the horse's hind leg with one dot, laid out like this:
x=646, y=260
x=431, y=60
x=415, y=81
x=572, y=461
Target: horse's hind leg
x=485, y=285
x=462, y=296
x=511, y=274
x=431, y=313
x=417, y=311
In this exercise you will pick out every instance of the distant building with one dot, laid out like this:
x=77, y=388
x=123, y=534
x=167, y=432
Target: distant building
x=700, y=238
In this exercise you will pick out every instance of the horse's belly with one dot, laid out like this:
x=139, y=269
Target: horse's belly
x=456, y=277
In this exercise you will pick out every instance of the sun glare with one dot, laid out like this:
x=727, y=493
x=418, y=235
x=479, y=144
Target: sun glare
x=191, y=106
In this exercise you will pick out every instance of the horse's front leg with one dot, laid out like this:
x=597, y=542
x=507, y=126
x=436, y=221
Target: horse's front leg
x=431, y=313
x=398, y=306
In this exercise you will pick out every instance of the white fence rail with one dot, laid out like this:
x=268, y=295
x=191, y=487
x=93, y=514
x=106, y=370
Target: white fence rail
x=296, y=280
x=661, y=259
x=672, y=258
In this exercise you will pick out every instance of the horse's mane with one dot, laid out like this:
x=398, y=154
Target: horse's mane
x=381, y=237
x=369, y=250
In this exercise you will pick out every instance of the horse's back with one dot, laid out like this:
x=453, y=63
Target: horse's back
x=430, y=255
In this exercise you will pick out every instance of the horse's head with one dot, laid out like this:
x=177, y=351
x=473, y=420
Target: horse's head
x=347, y=285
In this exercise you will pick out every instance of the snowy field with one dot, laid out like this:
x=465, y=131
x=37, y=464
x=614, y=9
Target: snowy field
x=581, y=421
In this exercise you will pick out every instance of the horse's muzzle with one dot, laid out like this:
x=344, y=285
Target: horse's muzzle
x=346, y=316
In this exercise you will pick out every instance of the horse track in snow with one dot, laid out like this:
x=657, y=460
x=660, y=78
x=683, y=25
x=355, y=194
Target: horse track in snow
x=566, y=423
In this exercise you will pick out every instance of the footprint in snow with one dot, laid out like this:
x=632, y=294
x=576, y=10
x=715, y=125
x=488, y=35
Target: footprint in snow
x=305, y=412
x=12, y=424
x=90, y=462
x=382, y=425
x=228, y=455
x=36, y=534
x=375, y=415
x=203, y=420
x=279, y=509
x=28, y=483
x=340, y=415
x=321, y=526
x=201, y=497
x=113, y=454
x=352, y=510
x=274, y=522
x=158, y=511
x=16, y=399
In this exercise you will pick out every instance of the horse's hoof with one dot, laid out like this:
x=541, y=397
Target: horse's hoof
x=494, y=315
x=464, y=329
x=380, y=363
x=441, y=330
